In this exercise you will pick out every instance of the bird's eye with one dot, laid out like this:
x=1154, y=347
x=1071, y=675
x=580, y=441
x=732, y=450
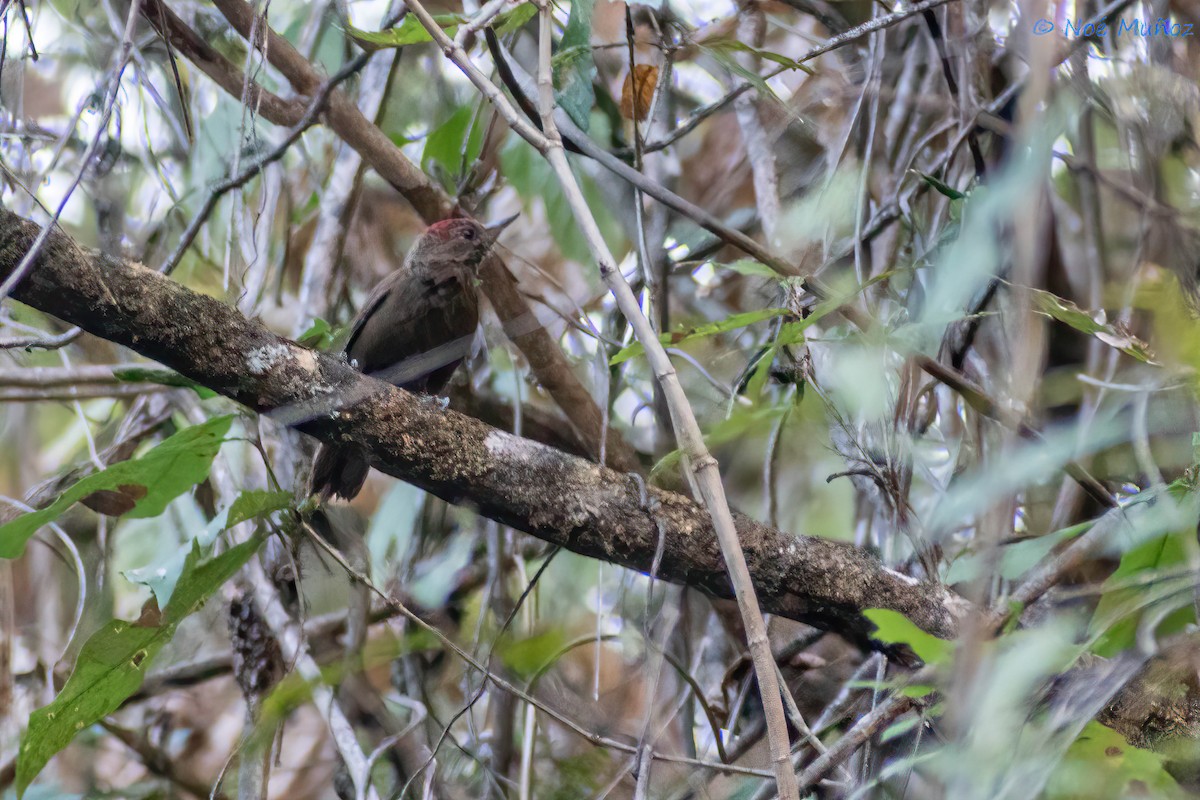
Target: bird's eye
x=469, y=234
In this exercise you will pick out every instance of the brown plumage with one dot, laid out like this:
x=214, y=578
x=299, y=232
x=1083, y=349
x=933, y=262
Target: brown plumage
x=413, y=331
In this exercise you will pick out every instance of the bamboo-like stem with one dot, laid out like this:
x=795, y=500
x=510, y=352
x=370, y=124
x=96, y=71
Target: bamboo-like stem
x=687, y=431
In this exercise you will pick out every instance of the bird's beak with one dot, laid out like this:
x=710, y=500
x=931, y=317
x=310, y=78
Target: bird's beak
x=495, y=229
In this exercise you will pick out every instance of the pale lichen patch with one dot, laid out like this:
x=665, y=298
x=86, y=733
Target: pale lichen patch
x=262, y=360
x=306, y=359
x=501, y=444
x=900, y=576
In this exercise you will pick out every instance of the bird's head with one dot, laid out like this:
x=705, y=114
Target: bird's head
x=457, y=243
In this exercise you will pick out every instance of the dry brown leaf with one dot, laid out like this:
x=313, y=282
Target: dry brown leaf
x=150, y=617
x=114, y=503
x=641, y=82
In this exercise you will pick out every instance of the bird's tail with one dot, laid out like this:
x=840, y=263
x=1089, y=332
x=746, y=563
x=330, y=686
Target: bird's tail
x=340, y=471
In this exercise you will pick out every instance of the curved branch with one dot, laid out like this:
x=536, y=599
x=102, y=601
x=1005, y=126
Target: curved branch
x=560, y=498
x=344, y=118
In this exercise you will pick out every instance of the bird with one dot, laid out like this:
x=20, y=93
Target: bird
x=414, y=330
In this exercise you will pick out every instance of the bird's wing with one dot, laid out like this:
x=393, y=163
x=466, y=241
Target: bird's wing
x=376, y=298
x=413, y=331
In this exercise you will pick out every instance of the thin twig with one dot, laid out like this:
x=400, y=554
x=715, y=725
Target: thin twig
x=480, y=21
x=159, y=762
x=863, y=730
x=595, y=738
x=289, y=633
x=33, y=53
x=633, y=177
x=833, y=43
x=310, y=118
x=341, y=193
x=759, y=147
x=42, y=343
x=114, y=86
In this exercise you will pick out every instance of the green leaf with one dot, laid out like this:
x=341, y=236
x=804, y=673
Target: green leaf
x=750, y=267
x=113, y=662
x=677, y=338
x=1068, y=313
x=319, y=336
x=531, y=176
x=793, y=333
x=256, y=503
x=109, y=669
x=899, y=728
x=790, y=333
x=1102, y=764
x=576, y=67
x=163, y=377
x=943, y=188
x=1015, y=559
x=722, y=53
x=735, y=46
x=743, y=422
x=1119, y=612
x=148, y=483
x=530, y=655
x=453, y=144
x=301, y=213
x=288, y=695
x=199, y=580
x=410, y=31
x=565, y=58
x=161, y=575
x=893, y=627
x=514, y=18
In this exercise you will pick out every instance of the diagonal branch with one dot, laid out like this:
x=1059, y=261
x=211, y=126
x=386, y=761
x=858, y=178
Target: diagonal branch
x=565, y=500
x=221, y=70
x=343, y=117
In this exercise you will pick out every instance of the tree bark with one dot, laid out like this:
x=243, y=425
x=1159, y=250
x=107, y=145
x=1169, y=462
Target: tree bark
x=563, y=499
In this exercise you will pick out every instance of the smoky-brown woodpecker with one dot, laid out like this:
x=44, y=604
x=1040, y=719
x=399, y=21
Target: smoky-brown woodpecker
x=413, y=331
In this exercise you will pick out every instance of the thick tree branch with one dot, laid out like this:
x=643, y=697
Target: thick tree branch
x=30, y=384
x=217, y=67
x=562, y=499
